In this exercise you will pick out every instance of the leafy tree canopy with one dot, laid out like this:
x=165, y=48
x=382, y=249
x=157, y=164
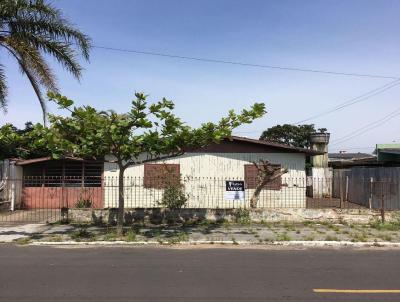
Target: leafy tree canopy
x=149, y=130
x=292, y=135
x=20, y=143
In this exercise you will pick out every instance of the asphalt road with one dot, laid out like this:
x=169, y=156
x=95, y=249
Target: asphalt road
x=217, y=274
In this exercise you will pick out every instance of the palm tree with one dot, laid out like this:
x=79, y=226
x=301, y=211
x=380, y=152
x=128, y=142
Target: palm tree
x=30, y=30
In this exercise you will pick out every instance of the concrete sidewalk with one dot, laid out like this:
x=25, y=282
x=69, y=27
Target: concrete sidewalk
x=307, y=233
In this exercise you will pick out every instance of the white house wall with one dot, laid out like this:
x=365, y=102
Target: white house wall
x=204, y=176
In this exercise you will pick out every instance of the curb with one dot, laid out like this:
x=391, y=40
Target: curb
x=223, y=242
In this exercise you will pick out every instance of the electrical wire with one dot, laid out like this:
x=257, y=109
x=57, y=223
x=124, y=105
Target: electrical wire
x=211, y=60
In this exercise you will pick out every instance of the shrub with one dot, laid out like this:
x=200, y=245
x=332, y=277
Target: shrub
x=83, y=204
x=174, y=196
x=242, y=216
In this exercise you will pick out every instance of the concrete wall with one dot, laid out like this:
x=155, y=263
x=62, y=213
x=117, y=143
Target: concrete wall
x=204, y=176
x=156, y=215
x=321, y=182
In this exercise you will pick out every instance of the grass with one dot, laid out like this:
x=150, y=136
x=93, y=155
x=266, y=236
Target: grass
x=308, y=223
x=387, y=226
x=111, y=235
x=82, y=234
x=56, y=238
x=242, y=216
x=358, y=237
x=387, y=237
x=331, y=238
x=283, y=237
x=130, y=235
x=234, y=241
x=178, y=237
x=23, y=241
x=309, y=238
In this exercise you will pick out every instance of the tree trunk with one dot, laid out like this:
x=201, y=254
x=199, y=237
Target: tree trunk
x=121, y=201
x=256, y=195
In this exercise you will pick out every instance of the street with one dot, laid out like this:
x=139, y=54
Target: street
x=194, y=274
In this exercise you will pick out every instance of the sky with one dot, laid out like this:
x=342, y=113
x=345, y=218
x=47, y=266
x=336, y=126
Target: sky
x=347, y=36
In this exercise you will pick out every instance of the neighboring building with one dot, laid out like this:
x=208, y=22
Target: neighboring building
x=344, y=159
x=365, y=178
x=388, y=153
x=203, y=172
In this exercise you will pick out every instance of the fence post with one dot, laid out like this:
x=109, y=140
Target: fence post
x=347, y=189
x=341, y=192
x=382, y=204
x=370, y=192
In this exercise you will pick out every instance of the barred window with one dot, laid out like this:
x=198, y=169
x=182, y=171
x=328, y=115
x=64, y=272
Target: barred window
x=63, y=173
x=159, y=176
x=250, y=177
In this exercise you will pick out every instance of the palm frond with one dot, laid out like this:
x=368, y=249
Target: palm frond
x=30, y=29
x=33, y=78
x=31, y=57
x=3, y=89
x=61, y=51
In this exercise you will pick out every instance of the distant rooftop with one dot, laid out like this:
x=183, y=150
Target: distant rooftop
x=348, y=156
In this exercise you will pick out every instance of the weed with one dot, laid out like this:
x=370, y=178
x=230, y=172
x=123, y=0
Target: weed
x=130, y=235
x=56, y=238
x=111, y=235
x=283, y=237
x=288, y=226
x=331, y=238
x=387, y=237
x=83, y=203
x=388, y=226
x=308, y=223
x=23, y=241
x=82, y=233
x=358, y=237
x=178, y=237
x=266, y=224
x=242, y=216
x=309, y=238
x=234, y=241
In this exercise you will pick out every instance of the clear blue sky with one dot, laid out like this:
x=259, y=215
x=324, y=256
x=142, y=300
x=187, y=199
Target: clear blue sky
x=351, y=36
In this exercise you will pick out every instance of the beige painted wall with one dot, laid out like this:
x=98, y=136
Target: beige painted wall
x=204, y=176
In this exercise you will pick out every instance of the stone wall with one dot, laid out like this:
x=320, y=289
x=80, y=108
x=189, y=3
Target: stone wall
x=156, y=215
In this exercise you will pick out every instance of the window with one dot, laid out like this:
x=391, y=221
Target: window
x=250, y=177
x=63, y=173
x=158, y=176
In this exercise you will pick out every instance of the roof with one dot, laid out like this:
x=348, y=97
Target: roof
x=276, y=145
x=348, y=156
x=395, y=151
x=23, y=162
x=239, y=139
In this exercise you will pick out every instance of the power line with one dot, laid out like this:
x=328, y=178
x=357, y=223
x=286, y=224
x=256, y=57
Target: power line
x=358, y=99
x=210, y=60
x=363, y=97
x=368, y=127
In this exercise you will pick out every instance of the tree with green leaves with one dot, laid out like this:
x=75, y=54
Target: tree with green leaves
x=292, y=135
x=20, y=143
x=31, y=30
x=148, y=132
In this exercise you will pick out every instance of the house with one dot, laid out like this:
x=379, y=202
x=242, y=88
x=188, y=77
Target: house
x=204, y=173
